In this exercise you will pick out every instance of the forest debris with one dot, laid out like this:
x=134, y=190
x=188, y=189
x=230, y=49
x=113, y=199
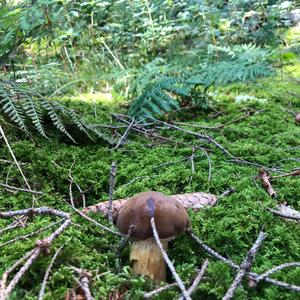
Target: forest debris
x=14, y=188
x=197, y=279
x=2, y=134
x=264, y=176
x=286, y=212
x=47, y=273
x=276, y=269
x=195, y=201
x=84, y=283
x=124, y=136
x=293, y=173
x=245, y=266
x=252, y=276
x=112, y=180
x=159, y=290
x=42, y=246
x=168, y=261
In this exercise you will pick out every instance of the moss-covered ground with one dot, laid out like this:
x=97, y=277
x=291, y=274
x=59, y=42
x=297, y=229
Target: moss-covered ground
x=270, y=138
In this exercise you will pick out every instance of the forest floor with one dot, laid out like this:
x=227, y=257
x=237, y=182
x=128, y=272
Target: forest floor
x=268, y=136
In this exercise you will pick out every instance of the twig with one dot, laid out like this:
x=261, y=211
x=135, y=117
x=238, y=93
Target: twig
x=276, y=269
x=246, y=115
x=212, y=252
x=96, y=223
x=42, y=246
x=264, y=176
x=285, y=215
x=47, y=273
x=294, y=173
x=10, y=270
x=16, y=162
x=112, y=177
x=245, y=266
x=14, y=188
x=200, y=136
x=124, y=136
x=159, y=290
x=24, y=237
x=197, y=279
x=192, y=164
x=235, y=266
x=168, y=261
x=84, y=282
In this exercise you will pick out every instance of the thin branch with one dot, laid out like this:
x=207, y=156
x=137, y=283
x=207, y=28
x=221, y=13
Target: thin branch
x=294, y=216
x=84, y=282
x=14, y=188
x=26, y=236
x=16, y=162
x=168, y=261
x=197, y=279
x=294, y=173
x=96, y=223
x=245, y=266
x=276, y=269
x=159, y=290
x=213, y=252
x=47, y=273
x=112, y=180
x=192, y=164
x=124, y=136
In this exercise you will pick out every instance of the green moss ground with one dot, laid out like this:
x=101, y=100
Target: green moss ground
x=270, y=138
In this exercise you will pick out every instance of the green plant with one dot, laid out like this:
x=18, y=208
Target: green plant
x=25, y=108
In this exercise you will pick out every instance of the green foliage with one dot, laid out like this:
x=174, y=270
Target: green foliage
x=25, y=108
x=238, y=63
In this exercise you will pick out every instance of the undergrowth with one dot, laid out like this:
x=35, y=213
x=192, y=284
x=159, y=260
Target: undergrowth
x=270, y=138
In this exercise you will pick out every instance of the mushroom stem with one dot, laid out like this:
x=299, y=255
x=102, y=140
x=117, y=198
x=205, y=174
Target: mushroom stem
x=147, y=259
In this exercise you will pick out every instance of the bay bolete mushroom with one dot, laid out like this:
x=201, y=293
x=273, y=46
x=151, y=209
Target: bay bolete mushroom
x=171, y=219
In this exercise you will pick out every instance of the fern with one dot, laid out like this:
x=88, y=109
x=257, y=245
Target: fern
x=24, y=108
x=238, y=63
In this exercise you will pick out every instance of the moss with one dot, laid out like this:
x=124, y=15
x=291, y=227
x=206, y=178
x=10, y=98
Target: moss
x=270, y=138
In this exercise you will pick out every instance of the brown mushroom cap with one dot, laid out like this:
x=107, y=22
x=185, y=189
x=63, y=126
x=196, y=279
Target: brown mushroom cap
x=170, y=216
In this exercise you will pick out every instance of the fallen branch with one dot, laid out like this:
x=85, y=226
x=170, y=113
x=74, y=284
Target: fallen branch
x=197, y=279
x=16, y=162
x=124, y=136
x=26, y=236
x=42, y=246
x=253, y=276
x=294, y=173
x=168, y=261
x=47, y=273
x=264, y=176
x=14, y=188
x=84, y=282
x=276, y=269
x=159, y=290
x=112, y=180
x=286, y=212
x=245, y=266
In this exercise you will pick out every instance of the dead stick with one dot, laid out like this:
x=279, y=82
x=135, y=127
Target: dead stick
x=124, y=136
x=16, y=162
x=47, y=273
x=84, y=282
x=168, y=261
x=112, y=177
x=197, y=279
x=276, y=269
x=245, y=266
x=14, y=188
x=294, y=173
